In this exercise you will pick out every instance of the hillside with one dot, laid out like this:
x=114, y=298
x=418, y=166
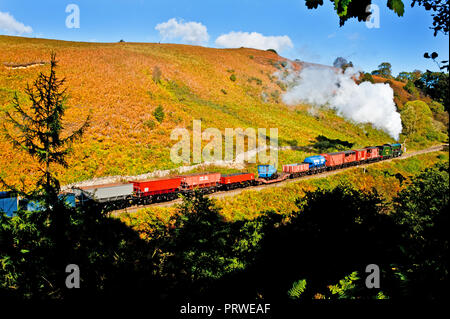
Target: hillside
x=117, y=83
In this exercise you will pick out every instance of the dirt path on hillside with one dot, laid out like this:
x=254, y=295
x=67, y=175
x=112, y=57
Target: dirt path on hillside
x=223, y=194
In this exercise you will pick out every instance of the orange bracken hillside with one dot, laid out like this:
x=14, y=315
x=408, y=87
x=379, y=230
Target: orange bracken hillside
x=116, y=83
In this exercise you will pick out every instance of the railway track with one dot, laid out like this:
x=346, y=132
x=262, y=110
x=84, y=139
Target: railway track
x=223, y=194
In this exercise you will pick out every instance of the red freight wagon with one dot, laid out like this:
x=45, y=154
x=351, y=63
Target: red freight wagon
x=156, y=186
x=349, y=157
x=296, y=168
x=334, y=159
x=372, y=153
x=237, y=178
x=361, y=155
x=200, y=180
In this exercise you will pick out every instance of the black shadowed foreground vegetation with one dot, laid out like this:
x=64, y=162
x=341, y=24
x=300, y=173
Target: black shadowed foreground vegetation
x=320, y=252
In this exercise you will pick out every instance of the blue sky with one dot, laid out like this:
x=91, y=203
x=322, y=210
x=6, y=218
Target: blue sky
x=309, y=35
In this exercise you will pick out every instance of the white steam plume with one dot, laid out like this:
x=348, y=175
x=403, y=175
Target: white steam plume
x=363, y=103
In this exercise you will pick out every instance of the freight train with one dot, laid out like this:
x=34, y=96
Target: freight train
x=119, y=196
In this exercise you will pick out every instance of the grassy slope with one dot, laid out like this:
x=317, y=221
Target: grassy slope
x=114, y=82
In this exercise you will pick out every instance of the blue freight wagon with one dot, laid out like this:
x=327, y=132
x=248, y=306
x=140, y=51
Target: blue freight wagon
x=316, y=161
x=266, y=171
x=8, y=203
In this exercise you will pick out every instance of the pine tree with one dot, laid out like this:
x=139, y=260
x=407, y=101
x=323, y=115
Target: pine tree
x=39, y=131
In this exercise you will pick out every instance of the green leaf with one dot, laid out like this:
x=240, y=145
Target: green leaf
x=397, y=6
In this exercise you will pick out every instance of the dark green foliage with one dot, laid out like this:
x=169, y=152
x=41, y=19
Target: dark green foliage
x=233, y=77
x=367, y=77
x=323, y=144
x=159, y=114
x=33, y=260
x=422, y=210
x=335, y=233
x=441, y=15
x=411, y=89
x=297, y=289
x=435, y=84
x=347, y=9
x=384, y=70
x=272, y=50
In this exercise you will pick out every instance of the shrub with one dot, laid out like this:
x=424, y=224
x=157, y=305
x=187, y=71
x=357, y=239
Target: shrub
x=272, y=50
x=150, y=124
x=159, y=114
x=367, y=77
x=233, y=77
x=411, y=89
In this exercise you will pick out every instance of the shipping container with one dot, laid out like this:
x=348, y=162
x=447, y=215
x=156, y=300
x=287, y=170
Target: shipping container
x=108, y=192
x=201, y=180
x=156, y=186
x=296, y=168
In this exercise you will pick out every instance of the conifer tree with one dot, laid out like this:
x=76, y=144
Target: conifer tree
x=39, y=130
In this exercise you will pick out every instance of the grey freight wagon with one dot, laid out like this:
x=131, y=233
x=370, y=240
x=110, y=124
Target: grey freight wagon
x=106, y=193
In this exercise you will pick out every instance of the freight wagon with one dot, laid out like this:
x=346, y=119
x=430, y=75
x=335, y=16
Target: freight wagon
x=206, y=182
x=233, y=181
x=8, y=203
x=156, y=190
x=361, y=155
x=373, y=154
x=317, y=162
x=334, y=160
x=349, y=158
x=267, y=172
x=117, y=195
x=296, y=170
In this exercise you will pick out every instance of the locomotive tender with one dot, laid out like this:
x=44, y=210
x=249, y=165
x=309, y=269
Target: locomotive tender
x=119, y=196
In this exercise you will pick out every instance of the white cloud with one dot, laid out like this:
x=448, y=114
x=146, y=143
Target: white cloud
x=188, y=32
x=11, y=25
x=254, y=40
